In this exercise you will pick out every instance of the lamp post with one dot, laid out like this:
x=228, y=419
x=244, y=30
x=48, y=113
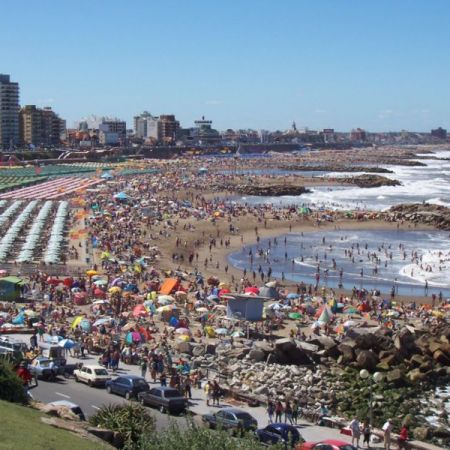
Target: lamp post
x=377, y=377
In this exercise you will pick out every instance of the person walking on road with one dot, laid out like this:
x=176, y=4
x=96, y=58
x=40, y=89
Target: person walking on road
x=355, y=428
x=143, y=367
x=270, y=410
x=387, y=428
x=366, y=430
x=278, y=412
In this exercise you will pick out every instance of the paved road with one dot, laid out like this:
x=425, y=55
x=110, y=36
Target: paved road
x=90, y=399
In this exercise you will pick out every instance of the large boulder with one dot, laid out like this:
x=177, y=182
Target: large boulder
x=367, y=359
x=347, y=353
x=257, y=355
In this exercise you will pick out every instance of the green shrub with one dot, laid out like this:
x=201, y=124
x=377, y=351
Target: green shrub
x=130, y=420
x=194, y=437
x=11, y=386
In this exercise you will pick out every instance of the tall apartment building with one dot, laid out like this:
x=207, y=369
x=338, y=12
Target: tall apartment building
x=168, y=127
x=9, y=112
x=112, y=131
x=40, y=126
x=146, y=126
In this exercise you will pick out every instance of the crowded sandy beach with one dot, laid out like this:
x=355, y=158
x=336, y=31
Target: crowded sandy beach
x=140, y=274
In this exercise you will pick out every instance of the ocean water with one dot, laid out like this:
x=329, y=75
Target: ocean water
x=419, y=184
x=384, y=259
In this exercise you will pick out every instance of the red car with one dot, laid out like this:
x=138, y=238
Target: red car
x=327, y=444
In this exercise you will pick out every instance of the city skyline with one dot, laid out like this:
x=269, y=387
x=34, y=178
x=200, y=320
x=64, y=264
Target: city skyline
x=381, y=67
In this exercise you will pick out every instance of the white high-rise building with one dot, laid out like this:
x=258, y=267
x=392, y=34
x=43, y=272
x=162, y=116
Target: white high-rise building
x=9, y=112
x=146, y=126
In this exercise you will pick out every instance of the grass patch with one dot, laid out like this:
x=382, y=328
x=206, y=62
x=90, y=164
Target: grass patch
x=21, y=428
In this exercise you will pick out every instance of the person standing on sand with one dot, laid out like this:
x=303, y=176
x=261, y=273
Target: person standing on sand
x=355, y=428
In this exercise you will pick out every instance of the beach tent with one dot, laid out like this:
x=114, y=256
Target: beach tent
x=169, y=285
x=245, y=307
x=10, y=288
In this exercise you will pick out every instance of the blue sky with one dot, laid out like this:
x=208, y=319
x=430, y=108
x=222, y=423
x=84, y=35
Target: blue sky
x=379, y=65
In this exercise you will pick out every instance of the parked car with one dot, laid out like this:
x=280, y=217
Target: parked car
x=328, y=444
x=92, y=375
x=129, y=386
x=231, y=418
x=277, y=433
x=45, y=368
x=72, y=406
x=167, y=399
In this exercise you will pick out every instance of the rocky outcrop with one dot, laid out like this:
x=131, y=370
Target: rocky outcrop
x=370, y=181
x=333, y=168
x=421, y=213
x=275, y=190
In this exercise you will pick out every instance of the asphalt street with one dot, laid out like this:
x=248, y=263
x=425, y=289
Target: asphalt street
x=90, y=399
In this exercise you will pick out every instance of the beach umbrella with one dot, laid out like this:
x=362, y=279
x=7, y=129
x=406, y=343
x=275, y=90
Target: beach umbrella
x=238, y=334
x=85, y=325
x=350, y=310
x=115, y=290
x=54, y=281
x=224, y=285
x=99, y=293
x=270, y=284
x=77, y=321
x=292, y=296
x=66, y=343
x=182, y=331
x=91, y=272
x=295, y=315
x=202, y=309
x=184, y=337
x=116, y=281
x=105, y=255
x=30, y=313
x=102, y=321
x=221, y=331
x=166, y=298
x=121, y=196
x=100, y=282
x=75, y=289
x=274, y=306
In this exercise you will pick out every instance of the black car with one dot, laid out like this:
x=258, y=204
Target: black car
x=231, y=418
x=129, y=386
x=277, y=433
x=167, y=399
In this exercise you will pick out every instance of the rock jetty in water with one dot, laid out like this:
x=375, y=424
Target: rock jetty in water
x=422, y=213
x=370, y=181
x=274, y=190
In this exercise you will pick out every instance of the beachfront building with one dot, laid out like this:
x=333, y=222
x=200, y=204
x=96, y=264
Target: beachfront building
x=168, y=128
x=112, y=131
x=9, y=112
x=146, y=126
x=204, y=133
x=40, y=126
x=439, y=133
x=358, y=135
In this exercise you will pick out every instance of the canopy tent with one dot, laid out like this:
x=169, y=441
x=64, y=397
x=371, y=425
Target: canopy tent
x=245, y=306
x=169, y=285
x=10, y=288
